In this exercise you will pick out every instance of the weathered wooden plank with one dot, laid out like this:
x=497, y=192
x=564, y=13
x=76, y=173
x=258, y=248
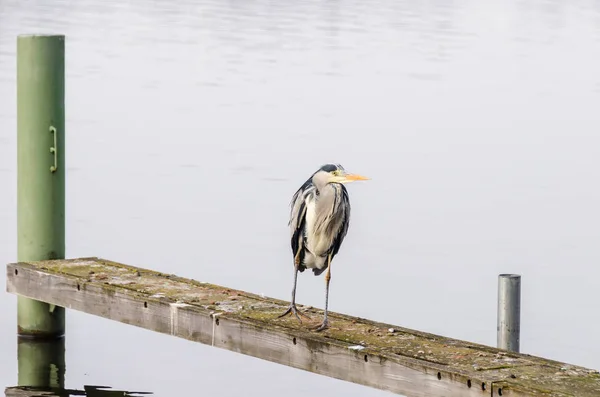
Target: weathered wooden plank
x=408, y=362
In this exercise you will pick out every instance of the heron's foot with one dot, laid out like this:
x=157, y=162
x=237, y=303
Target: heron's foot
x=324, y=325
x=292, y=309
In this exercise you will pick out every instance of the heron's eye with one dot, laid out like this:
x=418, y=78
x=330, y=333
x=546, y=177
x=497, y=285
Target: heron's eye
x=336, y=172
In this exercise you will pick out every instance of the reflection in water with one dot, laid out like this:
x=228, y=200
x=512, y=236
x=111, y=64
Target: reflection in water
x=98, y=391
x=42, y=372
x=41, y=362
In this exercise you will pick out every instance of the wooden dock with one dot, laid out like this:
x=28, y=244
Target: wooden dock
x=383, y=356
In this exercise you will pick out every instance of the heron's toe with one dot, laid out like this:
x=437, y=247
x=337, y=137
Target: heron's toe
x=324, y=325
x=293, y=310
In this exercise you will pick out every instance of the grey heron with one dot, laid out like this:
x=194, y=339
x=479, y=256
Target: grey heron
x=319, y=220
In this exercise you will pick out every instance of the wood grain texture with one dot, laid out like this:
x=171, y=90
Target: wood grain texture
x=406, y=362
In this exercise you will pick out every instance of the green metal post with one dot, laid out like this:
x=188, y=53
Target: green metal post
x=40, y=170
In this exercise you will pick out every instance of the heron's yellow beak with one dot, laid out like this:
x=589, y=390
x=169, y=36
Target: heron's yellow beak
x=356, y=177
x=353, y=177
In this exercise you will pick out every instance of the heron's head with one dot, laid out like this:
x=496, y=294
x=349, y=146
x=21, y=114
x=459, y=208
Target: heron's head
x=335, y=173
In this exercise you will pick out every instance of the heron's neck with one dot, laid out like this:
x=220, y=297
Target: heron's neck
x=326, y=194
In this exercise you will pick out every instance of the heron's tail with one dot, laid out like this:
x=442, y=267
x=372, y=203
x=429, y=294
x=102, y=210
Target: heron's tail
x=318, y=271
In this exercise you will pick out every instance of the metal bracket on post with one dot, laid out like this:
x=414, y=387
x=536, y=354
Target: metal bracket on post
x=54, y=150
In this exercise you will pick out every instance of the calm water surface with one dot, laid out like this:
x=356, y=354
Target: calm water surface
x=191, y=124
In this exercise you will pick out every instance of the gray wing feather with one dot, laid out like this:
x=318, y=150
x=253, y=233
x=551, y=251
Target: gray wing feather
x=298, y=218
x=344, y=205
x=296, y=211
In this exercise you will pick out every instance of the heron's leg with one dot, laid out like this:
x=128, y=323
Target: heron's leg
x=292, y=307
x=325, y=323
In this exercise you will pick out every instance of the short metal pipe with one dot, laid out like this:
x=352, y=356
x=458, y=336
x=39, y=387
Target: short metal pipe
x=509, y=312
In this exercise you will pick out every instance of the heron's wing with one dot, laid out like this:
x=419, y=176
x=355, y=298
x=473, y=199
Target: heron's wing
x=297, y=219
x=344, y=207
